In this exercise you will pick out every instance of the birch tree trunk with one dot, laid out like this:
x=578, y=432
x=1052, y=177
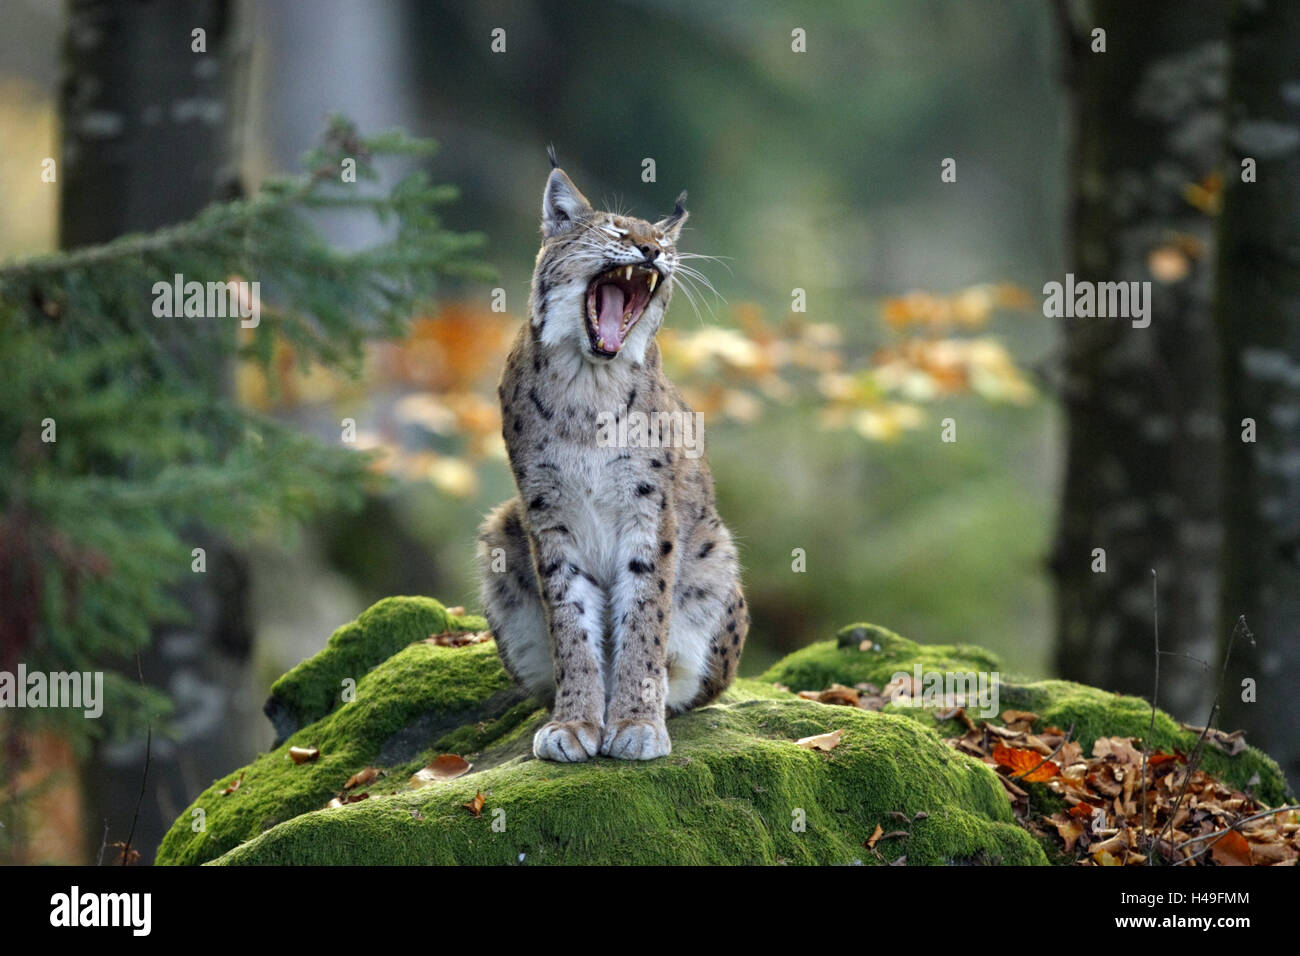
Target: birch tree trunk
x=1142, y=470
x=1258, y=313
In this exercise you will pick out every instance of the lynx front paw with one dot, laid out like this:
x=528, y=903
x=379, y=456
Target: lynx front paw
x=636, y=740
x=566, y=741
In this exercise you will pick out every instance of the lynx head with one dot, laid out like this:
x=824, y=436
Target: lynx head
x=603, y=280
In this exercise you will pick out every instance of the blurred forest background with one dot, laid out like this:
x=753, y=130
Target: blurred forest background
x=862, y=301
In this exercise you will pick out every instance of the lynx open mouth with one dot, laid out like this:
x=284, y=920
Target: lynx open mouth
x=615, y=301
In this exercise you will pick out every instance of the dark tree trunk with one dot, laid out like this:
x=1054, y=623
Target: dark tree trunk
x=149, y=127
x=1258, y=312
x=150, y=137
x=1142, y=470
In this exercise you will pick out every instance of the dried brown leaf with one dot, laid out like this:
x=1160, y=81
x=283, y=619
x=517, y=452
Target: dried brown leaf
x=362, y=777
x=303, y=754
x=444, y=767
x=826, y=741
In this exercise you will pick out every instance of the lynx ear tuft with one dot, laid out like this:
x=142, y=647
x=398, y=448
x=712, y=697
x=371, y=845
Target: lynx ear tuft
x=550, y=153
x=672, y=226
x=562, y=204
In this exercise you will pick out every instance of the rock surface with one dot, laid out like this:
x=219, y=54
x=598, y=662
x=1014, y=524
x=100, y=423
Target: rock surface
x=735, y=790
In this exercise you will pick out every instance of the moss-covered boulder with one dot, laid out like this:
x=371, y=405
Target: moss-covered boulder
x=1092, y=713
x=736, y=788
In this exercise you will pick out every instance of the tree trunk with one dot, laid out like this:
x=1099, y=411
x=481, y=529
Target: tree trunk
x=1142, y=470
x=150, y=137
x=1258, y=313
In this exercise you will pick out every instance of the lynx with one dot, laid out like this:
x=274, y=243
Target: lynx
x=610, y=583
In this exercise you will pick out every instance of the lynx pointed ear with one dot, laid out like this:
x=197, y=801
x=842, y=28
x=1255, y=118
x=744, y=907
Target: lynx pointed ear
x=562, y=204
x=671, y=227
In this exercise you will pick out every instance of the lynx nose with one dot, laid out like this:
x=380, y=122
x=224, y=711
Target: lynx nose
x=650, y=252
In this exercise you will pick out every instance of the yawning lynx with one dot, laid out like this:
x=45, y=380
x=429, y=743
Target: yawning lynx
x=610, y=582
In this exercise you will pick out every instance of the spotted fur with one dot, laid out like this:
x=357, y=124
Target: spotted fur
x=610, y=583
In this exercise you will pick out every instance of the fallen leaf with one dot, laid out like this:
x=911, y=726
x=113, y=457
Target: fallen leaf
x=444, y=767
x=875, y=837
x=361, y=778
x=1013, y=716
x=835, y=694
x=1022, y=762
x=356, y=797
x=233, y=785
x=475, y=806
x=456, y=611
x=303, y=754
x=827, y=741
x=1067, y=829
x=128, y=856
x=1119, y=748
x=458, y=638
x=1231, y=849
x=1157, y=760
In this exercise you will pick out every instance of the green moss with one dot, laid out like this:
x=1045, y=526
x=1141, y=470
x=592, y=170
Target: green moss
x=819, y=665
x=421, y=693
x=730, y=793
x=1097, y=713
x=315, y=687
x=1093, y=713
x=733, y=790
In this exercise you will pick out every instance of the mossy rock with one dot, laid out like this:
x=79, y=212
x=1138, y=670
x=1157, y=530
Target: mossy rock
x=316, y=686
x=736, y=788
x=1091, y=712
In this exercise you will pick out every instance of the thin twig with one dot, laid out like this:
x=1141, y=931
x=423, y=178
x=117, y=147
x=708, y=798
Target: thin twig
x=1155, y=696
x=103, y=844
x=144, y=777
x=1194, y=759
x=1241, y=822
x=1223, y=833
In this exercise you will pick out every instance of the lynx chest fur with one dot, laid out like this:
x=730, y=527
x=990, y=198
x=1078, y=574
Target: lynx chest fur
x=610, y=583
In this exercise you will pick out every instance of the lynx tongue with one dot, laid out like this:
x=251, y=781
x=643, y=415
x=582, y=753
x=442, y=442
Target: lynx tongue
x=609, y=323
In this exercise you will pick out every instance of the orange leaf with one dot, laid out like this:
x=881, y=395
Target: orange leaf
x=444, y=767
x=1231, y=849
x=233, y=785
x=361, y=778
x=1023, y=761
x=874, y=838
x=475, y=806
